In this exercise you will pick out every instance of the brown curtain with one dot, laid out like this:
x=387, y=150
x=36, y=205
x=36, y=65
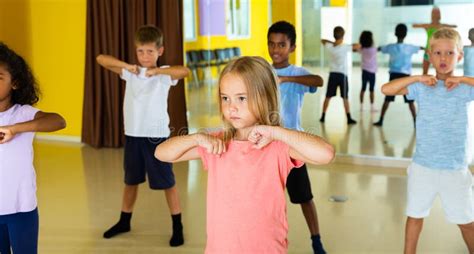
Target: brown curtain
x=111, y=25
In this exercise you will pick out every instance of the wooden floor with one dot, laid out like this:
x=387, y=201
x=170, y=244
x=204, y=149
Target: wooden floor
x=79, y=190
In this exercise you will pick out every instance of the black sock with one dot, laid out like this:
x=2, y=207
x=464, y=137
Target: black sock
x=322, y=117
x=350, y=120
x=379, y=123
x=317, y=245
x=121, y=227
x=177, y=238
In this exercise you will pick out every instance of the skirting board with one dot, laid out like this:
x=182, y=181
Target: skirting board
x=62, y=138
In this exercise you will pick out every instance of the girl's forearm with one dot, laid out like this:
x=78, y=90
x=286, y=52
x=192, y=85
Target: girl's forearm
x=174, y=148
x=46, y=122
x=176, y=72
x=313, y=148
x=468, y=80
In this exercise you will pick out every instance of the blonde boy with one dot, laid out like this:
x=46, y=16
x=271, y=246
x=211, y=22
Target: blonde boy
x=440, y=163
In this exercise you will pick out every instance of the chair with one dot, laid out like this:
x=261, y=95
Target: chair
x=222, y=58
x=230, y=53
x=209, y=59
x=193, y=62
x=236, y=51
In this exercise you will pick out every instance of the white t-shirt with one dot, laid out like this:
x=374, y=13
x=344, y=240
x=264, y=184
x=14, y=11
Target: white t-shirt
x=17, y=174
x=145, y=107
x=338, y=57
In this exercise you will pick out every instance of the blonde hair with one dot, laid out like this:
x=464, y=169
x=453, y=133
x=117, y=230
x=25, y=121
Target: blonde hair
x=262, y=89
x=447, y=33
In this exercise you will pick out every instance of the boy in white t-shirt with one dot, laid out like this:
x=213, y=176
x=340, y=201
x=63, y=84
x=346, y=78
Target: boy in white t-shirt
x=338, y=67
x=146, y=125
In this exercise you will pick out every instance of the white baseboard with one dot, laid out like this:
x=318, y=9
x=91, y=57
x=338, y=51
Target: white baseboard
x=378, y=161
x=372, y=160
x=61, y=138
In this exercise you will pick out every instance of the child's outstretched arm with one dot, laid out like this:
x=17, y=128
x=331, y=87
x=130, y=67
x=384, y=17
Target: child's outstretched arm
x=176, y=72
x=356, y=47
x=307, y=80
x=453, y=82
x=399, y=86
x=43, y=122
x=419, y=25
x=184, y=148
x=324, y=41
x=303, y=146
x=449, y=25
x=113, y=64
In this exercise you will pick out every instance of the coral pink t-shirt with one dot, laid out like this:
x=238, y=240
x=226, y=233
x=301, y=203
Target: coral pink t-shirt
x=246, y=203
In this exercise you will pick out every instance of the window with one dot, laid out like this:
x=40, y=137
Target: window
x=238, y=19
x=189, y=20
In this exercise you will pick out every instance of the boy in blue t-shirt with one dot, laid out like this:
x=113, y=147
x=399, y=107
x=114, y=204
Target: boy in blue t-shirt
x=469, y=56
x=440, y=163
x=399, y=67
x=294, y=83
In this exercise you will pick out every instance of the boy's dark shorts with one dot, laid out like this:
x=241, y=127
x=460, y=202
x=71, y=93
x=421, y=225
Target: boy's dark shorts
x=298, y=185
x=336, y=80
x=395, y=75
x=139, y=160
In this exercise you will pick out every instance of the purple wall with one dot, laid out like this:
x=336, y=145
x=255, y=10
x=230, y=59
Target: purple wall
x=211, y=17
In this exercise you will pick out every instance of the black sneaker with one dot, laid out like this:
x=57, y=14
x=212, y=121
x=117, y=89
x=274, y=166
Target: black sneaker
x=379, y=123
x=351, y=121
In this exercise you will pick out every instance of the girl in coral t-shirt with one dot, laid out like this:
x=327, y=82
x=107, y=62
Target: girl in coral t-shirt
x=248, y=161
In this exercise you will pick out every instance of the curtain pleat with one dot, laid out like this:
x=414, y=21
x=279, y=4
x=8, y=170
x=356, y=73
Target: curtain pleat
x=111, y=26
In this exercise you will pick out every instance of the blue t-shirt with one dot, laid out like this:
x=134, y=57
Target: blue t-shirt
x=442, y=125
x=291, y=96
x=469, y=61
x=400, y=56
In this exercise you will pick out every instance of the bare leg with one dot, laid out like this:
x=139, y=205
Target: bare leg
x=361, y=98
x=346, y=105
x=412, y=234
x=382, y=114
x=129, y=197
x=325, y=108
x=467, y=231
x=128, y=202
x=426, y=67
x=372, y=97
x=311, y=216
x=172, y=198
x=348, y=112
x=326, y=104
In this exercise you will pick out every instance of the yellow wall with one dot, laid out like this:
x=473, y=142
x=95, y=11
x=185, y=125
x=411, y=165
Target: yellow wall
x=290, y=10
x=58, y=47
x=337, y=3
x=50, y=35
x=256, y=45
x=15, y=26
